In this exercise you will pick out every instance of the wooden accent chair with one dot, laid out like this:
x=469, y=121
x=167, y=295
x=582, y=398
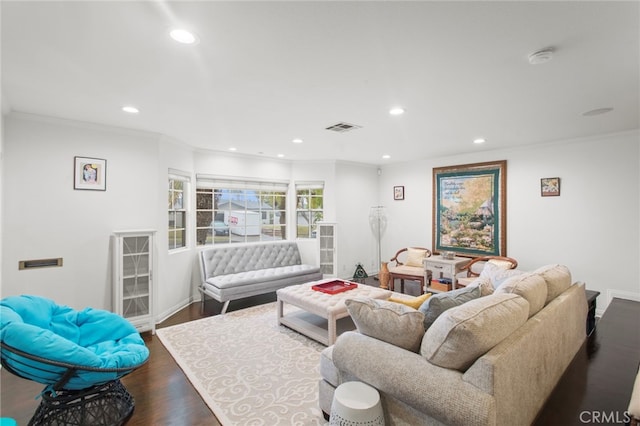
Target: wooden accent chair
x=411, y=269
x=475, y=266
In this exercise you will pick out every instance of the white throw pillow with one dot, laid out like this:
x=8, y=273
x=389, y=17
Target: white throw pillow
x=415, y=257
x=498, y=275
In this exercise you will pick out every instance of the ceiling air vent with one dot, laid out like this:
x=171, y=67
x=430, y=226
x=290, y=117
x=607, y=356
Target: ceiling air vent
x=343, y=127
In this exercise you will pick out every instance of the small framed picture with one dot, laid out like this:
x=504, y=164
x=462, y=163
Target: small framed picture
x=550, y=187
x=398, y=192
x=90, y=173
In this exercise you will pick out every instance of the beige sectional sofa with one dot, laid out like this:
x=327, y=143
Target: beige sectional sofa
x=492, y=360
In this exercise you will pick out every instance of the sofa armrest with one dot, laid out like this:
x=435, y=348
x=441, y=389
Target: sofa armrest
x=407, y=376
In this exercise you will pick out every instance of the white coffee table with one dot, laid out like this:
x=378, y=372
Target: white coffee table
x=320, y=311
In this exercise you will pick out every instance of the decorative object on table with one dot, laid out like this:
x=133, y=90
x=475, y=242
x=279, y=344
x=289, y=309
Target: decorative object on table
x=355, y=404
x=398, y=192
x=449, y=255
x=360, y=274
x=378, y=224
x=550, y=187
x=469, y=209
x=383, y=276
x=335, y=286
x=90, y=173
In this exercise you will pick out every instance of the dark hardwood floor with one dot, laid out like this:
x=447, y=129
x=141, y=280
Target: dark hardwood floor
x=163, y=395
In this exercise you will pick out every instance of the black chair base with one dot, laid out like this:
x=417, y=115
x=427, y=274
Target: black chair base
x=107, y=404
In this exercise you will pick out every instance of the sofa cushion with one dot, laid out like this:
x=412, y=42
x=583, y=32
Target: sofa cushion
x=532, y=287
x=557, y=277
x=434, y=306
x=413, y=302
x=390, y=322
x=462, y=334
x=415, y=257
x=498, y=275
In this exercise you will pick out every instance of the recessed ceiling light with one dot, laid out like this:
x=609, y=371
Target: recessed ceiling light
x=233, y=148
x=280, y=155
x=597, y=111
x=396, y=111
x=183, y=36
x=479, y=140
x=297, y=140
x=386, y=156
x=130, y=109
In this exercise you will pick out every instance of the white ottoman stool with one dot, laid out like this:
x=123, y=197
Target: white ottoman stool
x=356, y=403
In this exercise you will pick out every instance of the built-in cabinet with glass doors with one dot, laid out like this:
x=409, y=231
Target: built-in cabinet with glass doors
x=133, y=277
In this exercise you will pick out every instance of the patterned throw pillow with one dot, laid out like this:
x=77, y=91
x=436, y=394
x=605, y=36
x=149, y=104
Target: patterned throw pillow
x=390, y=322
x=437, y=304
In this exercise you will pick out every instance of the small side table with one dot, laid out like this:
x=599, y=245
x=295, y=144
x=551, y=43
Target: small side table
x=591, y=313
x=445, y=268
x=356, y=404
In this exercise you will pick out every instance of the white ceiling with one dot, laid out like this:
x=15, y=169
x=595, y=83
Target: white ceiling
x=266, y=72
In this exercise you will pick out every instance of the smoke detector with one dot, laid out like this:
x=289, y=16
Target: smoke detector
x=541, y=56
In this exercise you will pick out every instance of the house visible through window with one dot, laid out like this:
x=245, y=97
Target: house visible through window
x=229, y=211
x=178, y=187
x=309, y=208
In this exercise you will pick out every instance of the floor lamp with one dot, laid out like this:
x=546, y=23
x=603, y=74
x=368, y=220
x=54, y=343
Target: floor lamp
x=378, y=224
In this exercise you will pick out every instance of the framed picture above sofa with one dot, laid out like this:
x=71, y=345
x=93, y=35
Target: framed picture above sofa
x=469, y=209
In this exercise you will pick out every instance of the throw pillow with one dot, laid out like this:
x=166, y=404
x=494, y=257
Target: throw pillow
x=531, y=287
x=463, y=334
x=557, y=277
x=498, y=275
x=438, y=303
x=415, y=257
x=486, y=288
x=414, y=302
x=503, y=264
x=390, y=322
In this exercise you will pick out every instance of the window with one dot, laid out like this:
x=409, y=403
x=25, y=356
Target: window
x=309, y=208
x=230, y=211
x=178, y=187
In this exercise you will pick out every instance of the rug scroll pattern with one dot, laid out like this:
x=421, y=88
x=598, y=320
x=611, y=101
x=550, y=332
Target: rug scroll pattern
x=249, y=370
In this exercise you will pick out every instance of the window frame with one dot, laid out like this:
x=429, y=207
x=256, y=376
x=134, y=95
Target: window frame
x=309, y=210
x=248, y=196
x=175, y=176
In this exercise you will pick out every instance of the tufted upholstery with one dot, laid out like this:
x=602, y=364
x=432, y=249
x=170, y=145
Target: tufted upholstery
x=236, y=271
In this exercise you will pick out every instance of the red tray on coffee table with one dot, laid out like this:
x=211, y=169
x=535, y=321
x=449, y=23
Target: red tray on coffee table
x=335, y=286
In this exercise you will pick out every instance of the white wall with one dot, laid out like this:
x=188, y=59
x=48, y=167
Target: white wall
x=356, y=195
x=592, y=227
x=44, y=217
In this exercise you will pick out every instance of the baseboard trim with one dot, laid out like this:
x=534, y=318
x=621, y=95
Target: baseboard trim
x=174, y=309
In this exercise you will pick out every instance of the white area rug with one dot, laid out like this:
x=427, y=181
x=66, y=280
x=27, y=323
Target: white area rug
x=248, y=370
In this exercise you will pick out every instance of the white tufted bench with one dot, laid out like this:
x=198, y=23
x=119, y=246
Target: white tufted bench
x=235, y=271
x=330, y=307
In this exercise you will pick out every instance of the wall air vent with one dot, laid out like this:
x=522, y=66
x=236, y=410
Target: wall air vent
x=343, y=127
x=39, y=263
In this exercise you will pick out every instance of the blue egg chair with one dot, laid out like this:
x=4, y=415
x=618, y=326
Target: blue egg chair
x=79, y=356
